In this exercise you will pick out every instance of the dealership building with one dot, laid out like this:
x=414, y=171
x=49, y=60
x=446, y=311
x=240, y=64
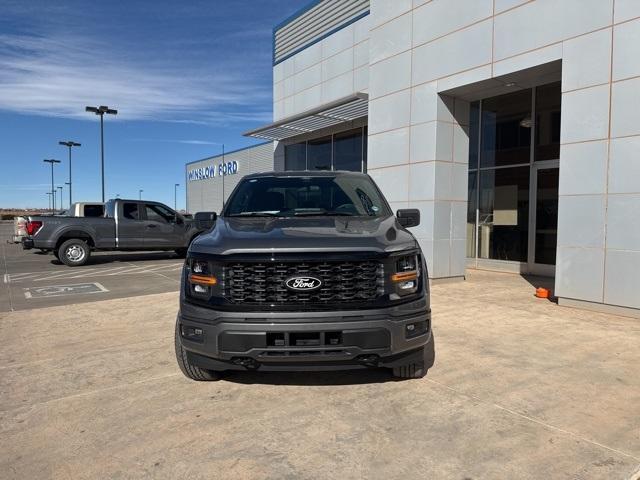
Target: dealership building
x=513, y=125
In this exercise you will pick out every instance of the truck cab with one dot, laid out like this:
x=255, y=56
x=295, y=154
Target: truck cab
x=305, y=270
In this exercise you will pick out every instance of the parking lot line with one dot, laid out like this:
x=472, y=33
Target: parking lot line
x=129, y=269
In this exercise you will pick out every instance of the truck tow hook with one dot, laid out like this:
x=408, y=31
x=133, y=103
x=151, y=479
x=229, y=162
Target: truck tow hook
x=246, y=362
x=369, y=360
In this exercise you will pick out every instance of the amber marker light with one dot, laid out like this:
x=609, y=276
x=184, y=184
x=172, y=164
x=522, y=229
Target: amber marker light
x=404, y=276
x=203, y=280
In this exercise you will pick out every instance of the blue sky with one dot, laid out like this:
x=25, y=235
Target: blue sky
x=185, y=76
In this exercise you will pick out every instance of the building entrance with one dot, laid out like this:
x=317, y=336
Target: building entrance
x=513, y=181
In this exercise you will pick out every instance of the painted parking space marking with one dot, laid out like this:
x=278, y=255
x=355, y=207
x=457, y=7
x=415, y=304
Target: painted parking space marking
x=132, y=269
x=63, y=290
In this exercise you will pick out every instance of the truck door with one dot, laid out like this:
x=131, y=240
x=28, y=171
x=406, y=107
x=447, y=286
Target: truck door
x=130, y=226
x=162, y=230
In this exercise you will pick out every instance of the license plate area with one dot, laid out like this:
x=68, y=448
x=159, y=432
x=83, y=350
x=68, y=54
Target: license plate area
x=304, y=339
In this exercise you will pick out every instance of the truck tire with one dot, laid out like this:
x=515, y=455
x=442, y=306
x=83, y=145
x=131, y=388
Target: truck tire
x=418, y=369
x=191, y=371
x=74, y=252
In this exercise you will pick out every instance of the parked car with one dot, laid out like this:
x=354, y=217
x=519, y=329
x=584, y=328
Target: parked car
x=125, y=225
x=305, y=270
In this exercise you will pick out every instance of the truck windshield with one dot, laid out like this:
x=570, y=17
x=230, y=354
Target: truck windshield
x=340, y=195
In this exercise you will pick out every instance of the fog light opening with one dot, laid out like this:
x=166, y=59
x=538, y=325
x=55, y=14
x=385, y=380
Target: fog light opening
x=415, y=329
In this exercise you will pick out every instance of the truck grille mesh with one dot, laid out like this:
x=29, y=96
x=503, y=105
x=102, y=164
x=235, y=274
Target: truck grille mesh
x=342, y=282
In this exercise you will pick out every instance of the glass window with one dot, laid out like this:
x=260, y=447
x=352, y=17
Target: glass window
x=93, y=210
x=547, y=146
x=157, y=213
x=546, y=216
x=504, y=214
x=337, y=195
x=130, y=211
x=474, y=132
x=347, y=150
x=319, y=154
x=472, y=206
x=295, y=156
x=506, y=129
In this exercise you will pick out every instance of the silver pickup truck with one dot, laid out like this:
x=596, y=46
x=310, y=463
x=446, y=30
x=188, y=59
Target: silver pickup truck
x=125, y=225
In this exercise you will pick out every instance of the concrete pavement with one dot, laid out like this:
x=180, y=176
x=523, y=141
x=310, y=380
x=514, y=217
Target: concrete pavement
x=521, y=388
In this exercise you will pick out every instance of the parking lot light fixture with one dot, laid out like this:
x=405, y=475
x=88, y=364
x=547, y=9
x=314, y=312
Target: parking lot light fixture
x=53, y=188
x=70, y=144
x=101, y=110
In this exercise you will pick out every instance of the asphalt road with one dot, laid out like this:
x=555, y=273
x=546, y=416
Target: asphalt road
x=30, y=279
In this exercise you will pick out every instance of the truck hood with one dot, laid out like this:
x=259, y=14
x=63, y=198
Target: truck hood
x=303, y=234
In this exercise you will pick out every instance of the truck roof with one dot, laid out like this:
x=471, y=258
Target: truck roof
x=306, y=173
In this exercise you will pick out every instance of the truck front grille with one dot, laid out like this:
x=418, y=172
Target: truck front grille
x=342, y=282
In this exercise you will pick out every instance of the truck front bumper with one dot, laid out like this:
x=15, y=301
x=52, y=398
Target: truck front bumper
x=322, y=340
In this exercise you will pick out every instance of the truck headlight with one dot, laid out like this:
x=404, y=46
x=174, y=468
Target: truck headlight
x=201, y=278
x=407, y=275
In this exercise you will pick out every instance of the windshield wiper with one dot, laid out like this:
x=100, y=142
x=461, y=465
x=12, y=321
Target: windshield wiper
x=323, y=214
x=253, y=214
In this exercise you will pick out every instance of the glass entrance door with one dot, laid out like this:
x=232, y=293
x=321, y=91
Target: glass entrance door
x=543, y=212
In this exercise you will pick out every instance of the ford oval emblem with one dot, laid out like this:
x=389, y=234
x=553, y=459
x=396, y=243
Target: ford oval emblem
x=303, y=284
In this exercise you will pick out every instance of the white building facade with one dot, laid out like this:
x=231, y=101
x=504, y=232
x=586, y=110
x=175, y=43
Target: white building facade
x=513, y=125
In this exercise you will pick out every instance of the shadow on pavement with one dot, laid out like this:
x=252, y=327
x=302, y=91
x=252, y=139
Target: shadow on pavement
x=100, y=259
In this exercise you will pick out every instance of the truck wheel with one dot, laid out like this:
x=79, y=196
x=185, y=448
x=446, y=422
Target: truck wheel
x=418, y=369
x=74, y=252
x=191, y=371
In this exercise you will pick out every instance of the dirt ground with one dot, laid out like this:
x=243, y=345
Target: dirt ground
x=521, y=388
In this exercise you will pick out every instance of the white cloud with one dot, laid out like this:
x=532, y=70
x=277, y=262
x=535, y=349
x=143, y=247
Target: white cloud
x=60, y=75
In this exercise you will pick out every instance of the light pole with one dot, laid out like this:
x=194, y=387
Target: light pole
x=60, y=188
x=101, y=110
x=69, y=144
x=49, y=198
x=175, y=196
x=53, y=189
x=140, y=194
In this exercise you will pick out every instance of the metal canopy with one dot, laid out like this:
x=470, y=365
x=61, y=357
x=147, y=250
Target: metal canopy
x=339, y=111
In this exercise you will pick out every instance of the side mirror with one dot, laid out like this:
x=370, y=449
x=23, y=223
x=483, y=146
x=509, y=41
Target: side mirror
x=205, y=220
x=178, y=219
x=408, y=217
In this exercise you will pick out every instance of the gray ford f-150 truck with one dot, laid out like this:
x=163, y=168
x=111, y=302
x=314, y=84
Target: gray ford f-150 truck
x=125, y=225
x=305, y=270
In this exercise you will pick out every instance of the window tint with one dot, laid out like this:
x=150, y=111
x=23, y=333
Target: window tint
x=158, y=213
x=295, y=156
x=294, y=196
x=347, y=150
x=506, y=129
x=547, y=126
x=319, y=154
x=130, y=211
x=93, y=210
